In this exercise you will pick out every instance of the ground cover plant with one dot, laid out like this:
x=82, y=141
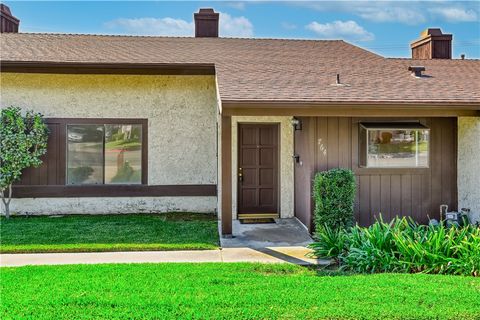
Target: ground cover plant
x=402, y=246
x=81, y=233
x=229, y=291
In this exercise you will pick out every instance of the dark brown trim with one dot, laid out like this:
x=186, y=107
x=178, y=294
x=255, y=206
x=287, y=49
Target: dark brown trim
x=59, y=191
x=348, y=111
x=106, y=68
x=434, y=104
x=226, y=158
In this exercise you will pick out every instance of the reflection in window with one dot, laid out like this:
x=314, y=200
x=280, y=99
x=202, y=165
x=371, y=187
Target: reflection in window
x=85, y=154
x=123, y=153
x=104, y=154
x=394, y=145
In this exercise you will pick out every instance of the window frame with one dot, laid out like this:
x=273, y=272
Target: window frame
x=103, y=121
x=384, y=125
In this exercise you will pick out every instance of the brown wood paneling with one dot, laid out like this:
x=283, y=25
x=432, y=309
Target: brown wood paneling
x=304, y=169
x=385, y=193
x=416, y=192
x=226, y=174
x=364, y=197
x=71, y=191
x=375, y=196
x=332, y=142
x=404, y=192
x=406, y=200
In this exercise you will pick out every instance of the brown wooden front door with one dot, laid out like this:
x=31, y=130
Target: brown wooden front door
x=258, y=169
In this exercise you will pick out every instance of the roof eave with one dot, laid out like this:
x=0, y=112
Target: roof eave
x=74, y=67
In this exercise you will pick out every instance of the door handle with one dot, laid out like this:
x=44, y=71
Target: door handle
x=240, y=174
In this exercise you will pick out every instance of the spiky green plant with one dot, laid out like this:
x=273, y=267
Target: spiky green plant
x=403, y=246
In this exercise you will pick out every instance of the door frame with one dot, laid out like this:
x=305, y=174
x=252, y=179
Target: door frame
x=277, y=125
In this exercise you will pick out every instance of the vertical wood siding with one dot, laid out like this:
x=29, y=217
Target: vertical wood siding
x=52, y=170
x=332, y=142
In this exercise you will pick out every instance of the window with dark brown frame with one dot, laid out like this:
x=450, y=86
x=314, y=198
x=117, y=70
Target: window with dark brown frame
x=104, y=153
x=394, y=145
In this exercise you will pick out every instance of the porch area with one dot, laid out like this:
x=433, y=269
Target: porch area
x=281, y=233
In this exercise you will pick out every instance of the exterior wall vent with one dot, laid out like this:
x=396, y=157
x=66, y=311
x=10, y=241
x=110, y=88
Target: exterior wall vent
x=206, y=23
x=416, y=71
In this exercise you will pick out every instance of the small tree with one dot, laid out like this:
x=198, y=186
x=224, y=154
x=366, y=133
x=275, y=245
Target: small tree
x=23, y=140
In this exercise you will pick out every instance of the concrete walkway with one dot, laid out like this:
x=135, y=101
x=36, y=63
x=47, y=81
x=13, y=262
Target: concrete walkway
x=295, y=255
x=282, y=233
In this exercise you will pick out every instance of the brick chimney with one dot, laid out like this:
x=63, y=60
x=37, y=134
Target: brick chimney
x=206, y=23
x=433, y=44
x=8, y=22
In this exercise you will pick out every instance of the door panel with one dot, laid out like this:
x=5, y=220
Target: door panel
x=258, y=168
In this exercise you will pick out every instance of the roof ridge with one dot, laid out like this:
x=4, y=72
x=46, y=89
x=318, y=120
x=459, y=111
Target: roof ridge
x=171, y=37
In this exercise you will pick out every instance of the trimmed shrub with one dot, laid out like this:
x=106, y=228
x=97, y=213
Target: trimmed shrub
x=334, y=194
x=402, y=246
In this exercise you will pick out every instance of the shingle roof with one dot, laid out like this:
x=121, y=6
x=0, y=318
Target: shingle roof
x=268, y=69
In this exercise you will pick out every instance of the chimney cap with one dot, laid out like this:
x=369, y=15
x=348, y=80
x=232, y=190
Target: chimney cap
x=431, y=32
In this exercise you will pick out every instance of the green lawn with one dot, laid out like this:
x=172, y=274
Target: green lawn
x=81, y=233
x=230, y=291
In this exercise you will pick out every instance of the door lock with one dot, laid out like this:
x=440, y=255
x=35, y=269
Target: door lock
x=240, y=174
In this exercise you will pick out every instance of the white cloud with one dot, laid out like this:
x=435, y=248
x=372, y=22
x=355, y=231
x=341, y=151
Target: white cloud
x=229, y=26
x=348, y=30
x=395, y=14
x=405, y=12
x=152, y=26
x=239, y=5
x=289, y=26
x=455, y=14
x=235, y=26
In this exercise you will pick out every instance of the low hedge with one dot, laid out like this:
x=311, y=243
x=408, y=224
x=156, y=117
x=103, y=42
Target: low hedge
x=402, y=246
x=334, y=194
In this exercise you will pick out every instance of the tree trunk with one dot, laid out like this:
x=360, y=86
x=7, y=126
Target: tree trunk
x=6, y=202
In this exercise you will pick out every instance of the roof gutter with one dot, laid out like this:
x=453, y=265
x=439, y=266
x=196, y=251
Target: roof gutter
x=106, y=68
x=238, y=104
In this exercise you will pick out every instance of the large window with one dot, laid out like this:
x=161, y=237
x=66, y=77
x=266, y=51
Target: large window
x=104, y=153
x=394, y=145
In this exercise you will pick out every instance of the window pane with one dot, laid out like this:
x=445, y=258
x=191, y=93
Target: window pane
x=123, y=153
x=85, y=154
x=398, y=148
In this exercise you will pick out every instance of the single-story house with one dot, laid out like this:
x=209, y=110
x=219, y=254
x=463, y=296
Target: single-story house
x=240, y=126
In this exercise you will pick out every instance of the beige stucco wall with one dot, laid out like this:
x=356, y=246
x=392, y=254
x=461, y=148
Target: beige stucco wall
x=469, y=165
x=286, y=162
x=113, y=205
x=181, y=112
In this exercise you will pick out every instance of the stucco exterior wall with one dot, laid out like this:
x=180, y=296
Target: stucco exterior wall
x=110, y=205
x=286, y=162
x=181, y=112
x=469, y=165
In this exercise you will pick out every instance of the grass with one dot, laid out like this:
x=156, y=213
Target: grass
x=230, y=291
x=84, y=233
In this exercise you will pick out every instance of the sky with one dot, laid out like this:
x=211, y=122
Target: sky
x=384, y=27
